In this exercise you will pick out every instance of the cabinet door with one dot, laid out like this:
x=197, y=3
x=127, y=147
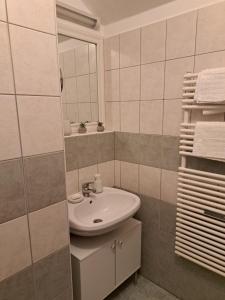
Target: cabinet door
x=128, y=254
x=98, y=273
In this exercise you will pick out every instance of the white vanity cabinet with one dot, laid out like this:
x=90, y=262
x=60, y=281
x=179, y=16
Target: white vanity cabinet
x=101, y=264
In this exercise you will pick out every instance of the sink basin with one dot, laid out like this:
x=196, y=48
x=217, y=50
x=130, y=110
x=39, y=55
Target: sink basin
x=102, y=213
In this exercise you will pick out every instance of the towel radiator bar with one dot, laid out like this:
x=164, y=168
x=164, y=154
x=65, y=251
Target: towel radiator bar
x=200, y=219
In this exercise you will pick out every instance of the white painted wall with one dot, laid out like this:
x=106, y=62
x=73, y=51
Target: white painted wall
x=78, y=4
x=163, y=12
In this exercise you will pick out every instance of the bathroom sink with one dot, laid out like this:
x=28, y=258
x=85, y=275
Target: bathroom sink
x=102, y=213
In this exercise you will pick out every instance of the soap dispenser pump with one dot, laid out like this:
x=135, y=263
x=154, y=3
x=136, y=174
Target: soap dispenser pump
x=98, y=183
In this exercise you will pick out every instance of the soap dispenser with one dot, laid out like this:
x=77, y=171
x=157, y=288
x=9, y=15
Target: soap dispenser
x=98, y=183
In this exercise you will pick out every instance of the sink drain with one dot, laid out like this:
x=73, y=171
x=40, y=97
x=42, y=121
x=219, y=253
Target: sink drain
x=97, y=220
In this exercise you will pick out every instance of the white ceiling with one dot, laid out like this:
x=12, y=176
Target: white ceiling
x=110, y=11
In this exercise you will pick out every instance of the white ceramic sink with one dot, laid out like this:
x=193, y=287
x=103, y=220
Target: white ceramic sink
x=101, y=213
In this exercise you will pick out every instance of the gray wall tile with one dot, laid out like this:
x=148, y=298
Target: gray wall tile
x=45, y=180
x=106, y=147
x=87, y=150
x=170, y=153
x=19, y=286
x=150, y=147
x=52, y=275
x=66, y=295
x=167, y=217
x=12, y=200
x=159, y=262
x=149, y=215
x=71, y=153
x=127, y=147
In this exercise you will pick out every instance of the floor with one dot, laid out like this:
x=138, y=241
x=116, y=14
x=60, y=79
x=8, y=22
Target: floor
x=143, y=290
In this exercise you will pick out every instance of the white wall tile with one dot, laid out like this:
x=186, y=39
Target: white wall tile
x=150, y=181
x=106, y=170
x=35, y=62
x=151, y=116
x=15, y=247
x=72, y=112
x=70, y=87
x=94, y=87
x=130, y=116
x=72, y=182
x=152, y=81
x=61, y=62
x=82, y=61
x=69, y=63
x=129, y=176
x=40, y=124
x=130, y=48
x=9, y=133
x=210, y=31
x=64, y=111
x=6, y=74
x=49, y=230
x=153, y=39
x=130, y=83
x=181, y=33
x=83, y=88
x=169, y=186
x=94, y=111
x=209, y=60
x=34, y=14
x=2, y=10
x=92, y=58
x=84, y=112
x=112, y=85
x=175, y=70
x=112, y=116
x=117, y=173
x=111, y=53
x=87, y=174
x=172, y=117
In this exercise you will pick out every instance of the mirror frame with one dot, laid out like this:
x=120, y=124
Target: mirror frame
x=92, y=36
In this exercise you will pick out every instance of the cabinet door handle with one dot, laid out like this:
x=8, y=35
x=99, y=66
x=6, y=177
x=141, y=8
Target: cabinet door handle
x=113, y=246
x=120, y=243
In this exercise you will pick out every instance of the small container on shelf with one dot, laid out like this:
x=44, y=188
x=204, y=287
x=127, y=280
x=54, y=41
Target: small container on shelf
x=100, y=127
x=82, y=128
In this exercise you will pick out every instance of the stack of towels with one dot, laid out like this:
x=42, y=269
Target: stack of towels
x=209, y=139
x=210, y=87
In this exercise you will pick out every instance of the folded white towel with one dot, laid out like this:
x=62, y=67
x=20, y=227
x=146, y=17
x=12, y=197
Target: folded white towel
x=209, y=140
x=210, y=87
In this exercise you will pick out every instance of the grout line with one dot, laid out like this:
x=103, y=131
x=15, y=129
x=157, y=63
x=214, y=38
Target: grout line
x=165, y=60
x=25, y=185
x=196, y=36
x=140, y=86
x=33, y=29
x=163, y=109
x=30, y=95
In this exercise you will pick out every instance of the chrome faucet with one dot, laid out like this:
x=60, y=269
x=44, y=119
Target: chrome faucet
x=86, y=189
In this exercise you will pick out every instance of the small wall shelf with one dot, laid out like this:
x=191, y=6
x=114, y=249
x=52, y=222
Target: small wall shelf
x=101, y=264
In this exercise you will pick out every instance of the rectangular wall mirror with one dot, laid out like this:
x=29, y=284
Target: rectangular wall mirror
x=79, y=80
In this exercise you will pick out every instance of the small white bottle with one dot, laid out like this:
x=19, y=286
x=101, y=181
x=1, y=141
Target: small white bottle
x=98, y=183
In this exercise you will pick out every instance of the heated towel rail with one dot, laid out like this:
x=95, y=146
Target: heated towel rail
x=200, y=220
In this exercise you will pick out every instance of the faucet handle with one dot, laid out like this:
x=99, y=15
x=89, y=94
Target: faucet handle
x=86, y=190
x=85, y=185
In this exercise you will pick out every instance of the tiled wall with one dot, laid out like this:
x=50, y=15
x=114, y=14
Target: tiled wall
x=87, y=155
x=34, y=244
x=144, y=72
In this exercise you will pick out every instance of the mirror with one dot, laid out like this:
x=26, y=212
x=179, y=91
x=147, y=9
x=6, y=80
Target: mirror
x=79, y=87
